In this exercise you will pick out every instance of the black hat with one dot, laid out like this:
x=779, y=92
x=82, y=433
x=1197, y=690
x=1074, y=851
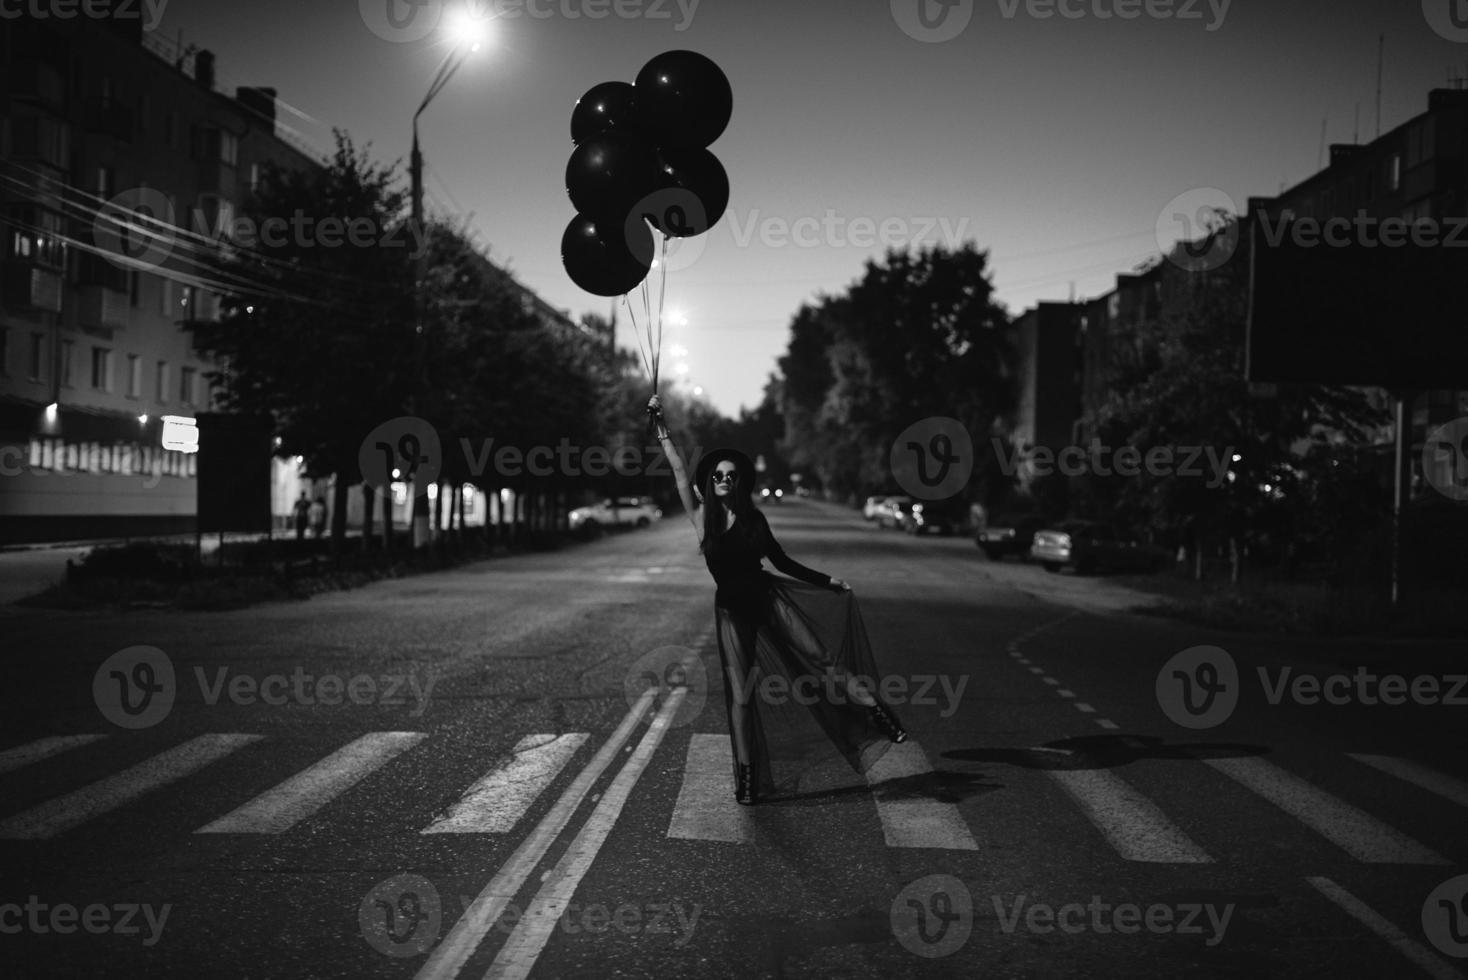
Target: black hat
x=743, y=470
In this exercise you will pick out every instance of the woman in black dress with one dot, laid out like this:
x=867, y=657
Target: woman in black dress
x=783, y=642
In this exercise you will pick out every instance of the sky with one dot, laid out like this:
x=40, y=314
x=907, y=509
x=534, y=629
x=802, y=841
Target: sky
x=1061, y=136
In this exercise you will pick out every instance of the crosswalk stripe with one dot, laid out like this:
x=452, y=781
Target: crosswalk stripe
x=1129, y=821
x=1408, y=947
x=68, y=811
x=705, y=809
x=497, y=801
x=1417, y=774
x=450, y=955
x=523, y=947
x=42, y=748
x=1356, y=831
x=278, y=809
x=921, y=822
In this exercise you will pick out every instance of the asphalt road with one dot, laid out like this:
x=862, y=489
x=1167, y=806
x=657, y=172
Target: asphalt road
x=467, y=774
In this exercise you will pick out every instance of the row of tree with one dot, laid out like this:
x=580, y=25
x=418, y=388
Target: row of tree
x=325, y=342
x=920, y=335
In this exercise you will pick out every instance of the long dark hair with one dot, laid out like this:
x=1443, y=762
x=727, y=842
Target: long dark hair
x=713, y=509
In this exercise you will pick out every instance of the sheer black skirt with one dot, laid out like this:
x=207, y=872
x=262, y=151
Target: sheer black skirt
x=793, y=652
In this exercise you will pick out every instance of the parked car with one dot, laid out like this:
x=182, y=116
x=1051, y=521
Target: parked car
x=872, y=505
x=891, y=510
x=1089, y=545
x=1012, y=534
x=771, y=495
x=615, y=512
x=931, y=517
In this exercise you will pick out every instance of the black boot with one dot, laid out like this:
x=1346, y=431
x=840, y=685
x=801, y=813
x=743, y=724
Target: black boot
x=889, y=725
x=744, y=791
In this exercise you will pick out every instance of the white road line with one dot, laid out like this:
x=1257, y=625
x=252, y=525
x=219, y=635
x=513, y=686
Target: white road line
x=43, y=748
x=518, y=955
x=449, y=956
x=1051, y=681
x=1417, y=774
x=278, y=809
x=1037, y=670
x=1106, y=723
x=1408, y=947
x=920, y=822
x=1084, y=707
x=497, y=801
x=1129, y=821
x=65, y=812
x=705, y=809
x=1356, y=831
x=1065, y=694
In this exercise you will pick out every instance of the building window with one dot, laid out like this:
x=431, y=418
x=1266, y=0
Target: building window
x=134, y=376
x=4, y=350
x=1394, y=175
x=134, y=287
x=186, y=386
x=101, y=369
x=38, y=357
x=165, y=296
x=104, y=182
x=254, y=177
x=40, y=138
x=66, y=359
x=161, y=394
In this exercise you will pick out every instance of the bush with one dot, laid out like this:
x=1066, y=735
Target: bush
x=144, y=560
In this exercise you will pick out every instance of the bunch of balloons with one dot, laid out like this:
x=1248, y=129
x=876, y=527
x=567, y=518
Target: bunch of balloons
x=641, y=163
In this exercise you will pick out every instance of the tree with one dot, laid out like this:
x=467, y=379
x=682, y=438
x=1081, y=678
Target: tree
x=919, y=335
x=315, y=333
x=1178, y=381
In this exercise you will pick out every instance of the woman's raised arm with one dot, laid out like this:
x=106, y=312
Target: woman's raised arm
x=685, y=490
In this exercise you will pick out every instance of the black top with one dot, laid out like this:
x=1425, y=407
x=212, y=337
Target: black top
x=734, y=561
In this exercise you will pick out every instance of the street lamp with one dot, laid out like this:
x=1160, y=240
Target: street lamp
x=465, y=32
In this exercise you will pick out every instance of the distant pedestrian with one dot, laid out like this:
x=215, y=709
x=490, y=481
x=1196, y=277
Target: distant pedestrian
x=318, y=516
x=302, y=509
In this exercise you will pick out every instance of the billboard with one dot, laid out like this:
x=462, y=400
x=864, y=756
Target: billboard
x=234, y=472
x=1352, y=301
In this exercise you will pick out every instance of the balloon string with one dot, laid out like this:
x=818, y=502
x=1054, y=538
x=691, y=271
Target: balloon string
x=662, y=291
x=633, y=316
x=651, y=346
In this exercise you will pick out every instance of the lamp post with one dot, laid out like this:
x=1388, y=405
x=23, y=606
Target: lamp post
x=465, y=31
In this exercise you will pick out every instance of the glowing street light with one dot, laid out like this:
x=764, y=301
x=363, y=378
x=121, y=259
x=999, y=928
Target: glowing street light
x=465, y=27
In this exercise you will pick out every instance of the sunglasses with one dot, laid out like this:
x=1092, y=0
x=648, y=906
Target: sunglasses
x=723, y=476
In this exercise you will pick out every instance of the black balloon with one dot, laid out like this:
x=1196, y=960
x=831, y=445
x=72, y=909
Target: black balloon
x=608, y=257
x=610, y=107
x=684, y=99
x=693, y=196
x=607, y=175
